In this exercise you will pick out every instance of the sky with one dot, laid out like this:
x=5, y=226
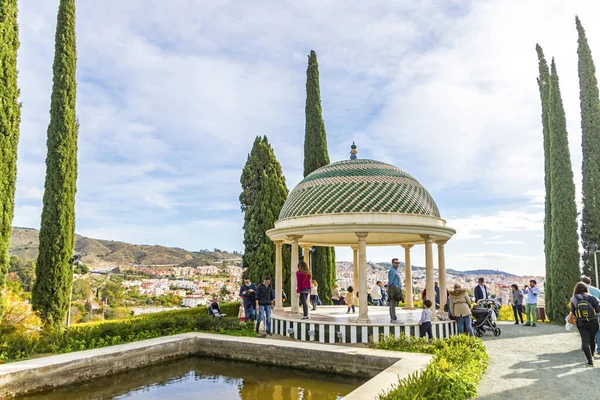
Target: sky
x=172, y=94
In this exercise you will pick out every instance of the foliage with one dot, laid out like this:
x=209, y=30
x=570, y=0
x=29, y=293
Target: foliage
x=455, y=371
x=20, y=327
x=565, y=271
x=82, y=289
x=590, y=143
x=544, y=87
x=24, y=270
x=81, y=269
x=56, y=339
x=263, y=194
x=315, y=157
x=54, y=271
x=507, y=314
x=113, y=293
x=10, y=119
x=116, y=312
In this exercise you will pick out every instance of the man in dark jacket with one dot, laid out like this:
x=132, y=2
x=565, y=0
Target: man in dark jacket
x=265, y=296
x=248, y=293
x=481, y=292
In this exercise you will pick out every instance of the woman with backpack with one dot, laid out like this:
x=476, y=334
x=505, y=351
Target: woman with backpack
x=584, y=308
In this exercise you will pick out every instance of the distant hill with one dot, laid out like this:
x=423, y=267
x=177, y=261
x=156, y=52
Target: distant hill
x=99, y=253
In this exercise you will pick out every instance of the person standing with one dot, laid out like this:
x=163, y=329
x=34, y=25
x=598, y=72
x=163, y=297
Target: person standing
x=350, y=299
x=335, y=294
x=265, y=296
x=248, y=294
x=303, y=277
x=531, y=291
x=394, y=289
x=481, y=292
x=585, y=308
x=594, y=291
x=384, y=295
x=314, y=294
x=425, y=321
x=517, y=303
x=376, y=294
x=460, y=306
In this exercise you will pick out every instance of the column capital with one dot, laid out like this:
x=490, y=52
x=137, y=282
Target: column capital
x=362, y=235
x=441, y=242
x=278, y=243
x=295, y=237
x=428, y=238
x=407, y=246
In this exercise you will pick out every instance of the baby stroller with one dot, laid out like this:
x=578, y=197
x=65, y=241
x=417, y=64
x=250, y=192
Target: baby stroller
x=485, y=314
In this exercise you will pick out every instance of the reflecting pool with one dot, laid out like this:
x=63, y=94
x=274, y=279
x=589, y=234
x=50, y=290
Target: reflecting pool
x=207, y=379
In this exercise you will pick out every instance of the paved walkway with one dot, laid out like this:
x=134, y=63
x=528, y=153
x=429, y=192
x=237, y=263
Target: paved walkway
x=545, y=362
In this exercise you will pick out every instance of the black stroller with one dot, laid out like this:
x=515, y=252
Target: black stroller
x=485, y=314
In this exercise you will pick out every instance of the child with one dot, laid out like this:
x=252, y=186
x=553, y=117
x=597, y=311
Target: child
x=425, y=322
x=350, y=300
x=314, y=293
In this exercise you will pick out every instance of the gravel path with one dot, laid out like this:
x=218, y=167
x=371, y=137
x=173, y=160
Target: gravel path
x=545, y=362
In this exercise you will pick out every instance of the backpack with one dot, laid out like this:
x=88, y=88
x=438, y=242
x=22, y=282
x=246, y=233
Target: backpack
x=584, y=311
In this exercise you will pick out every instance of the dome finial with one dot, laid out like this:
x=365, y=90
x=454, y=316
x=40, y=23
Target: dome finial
x=353, y=151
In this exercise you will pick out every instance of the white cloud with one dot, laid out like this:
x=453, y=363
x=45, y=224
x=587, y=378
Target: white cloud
x=505, y=242
x=171, y=96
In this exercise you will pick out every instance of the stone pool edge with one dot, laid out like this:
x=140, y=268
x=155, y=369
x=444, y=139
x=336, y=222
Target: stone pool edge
x=45, y=373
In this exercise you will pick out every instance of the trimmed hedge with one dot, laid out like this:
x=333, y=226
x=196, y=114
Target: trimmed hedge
x=455, y=371
x=92, y=335
x=506, y=314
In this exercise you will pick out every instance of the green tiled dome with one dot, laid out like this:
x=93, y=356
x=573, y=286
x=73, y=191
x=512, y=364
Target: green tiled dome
x=358, y=186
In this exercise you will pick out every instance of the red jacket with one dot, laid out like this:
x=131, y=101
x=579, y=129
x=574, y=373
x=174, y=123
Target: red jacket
x=302, y=282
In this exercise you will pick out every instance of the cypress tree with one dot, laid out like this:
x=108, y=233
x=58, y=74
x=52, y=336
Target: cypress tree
x=590, y=143
x=263, y=194
x=10, y=118
x=316, y=156
x=54, y=273
x=544, y=87
x=565, y=248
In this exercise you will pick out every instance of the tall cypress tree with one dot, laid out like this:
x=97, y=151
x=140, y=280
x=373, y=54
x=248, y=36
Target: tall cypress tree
x=590, y=143
x=53, y=269
x=565, y=248
x=263, y=194
x=544, y=87
x=316, y=156
x=10, y=118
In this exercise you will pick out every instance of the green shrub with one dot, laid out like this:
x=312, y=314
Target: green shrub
x=55, y=339
x=454, y=372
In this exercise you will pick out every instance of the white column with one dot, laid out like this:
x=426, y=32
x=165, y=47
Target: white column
x=355, y=274
x=429, y=278
x=442, y=272
x=363, y=311
x=278, y=276
x=293, y=294
x=408, y=277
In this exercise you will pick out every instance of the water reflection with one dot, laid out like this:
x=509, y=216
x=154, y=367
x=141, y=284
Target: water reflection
x=212, y=379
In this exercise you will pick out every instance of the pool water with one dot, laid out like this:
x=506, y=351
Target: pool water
x=207, y=379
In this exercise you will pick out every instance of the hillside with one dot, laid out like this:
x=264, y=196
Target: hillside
x=98, y=253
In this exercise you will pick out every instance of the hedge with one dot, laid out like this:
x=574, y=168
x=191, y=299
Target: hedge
x=506, y=314
x=92, y=335
x=455, y=371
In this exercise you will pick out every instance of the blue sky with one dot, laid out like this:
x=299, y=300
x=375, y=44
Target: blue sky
x=172, y=94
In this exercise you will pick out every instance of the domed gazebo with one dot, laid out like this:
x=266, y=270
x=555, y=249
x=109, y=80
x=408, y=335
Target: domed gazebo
x=360, y=203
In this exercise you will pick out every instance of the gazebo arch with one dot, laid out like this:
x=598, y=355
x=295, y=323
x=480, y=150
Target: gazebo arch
x=360, y=203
